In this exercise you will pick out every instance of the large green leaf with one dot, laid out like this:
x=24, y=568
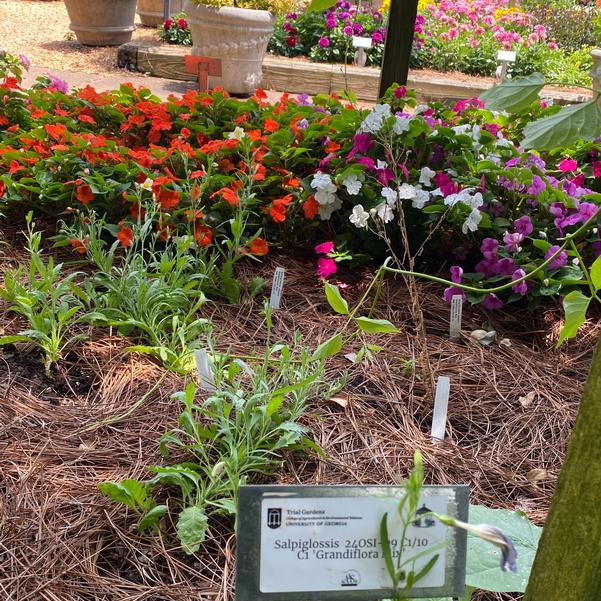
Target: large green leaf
x=191, y=528
x=596, y=273
x=572, y=123
x=575, y=306
x=152, y=517
x=483, y=559
x=514, y=95
x=375, y=326
x=318, y=5
x=328, y=348
x=335, y=299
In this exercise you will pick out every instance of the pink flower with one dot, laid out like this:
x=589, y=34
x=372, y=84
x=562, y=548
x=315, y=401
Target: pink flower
x=326, y=267
x=568, y=165
x=324, y=248
x=597, y=169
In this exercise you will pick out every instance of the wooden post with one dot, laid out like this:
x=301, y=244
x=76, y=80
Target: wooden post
x=399, y=41
x=596, y=70
x=567, y=566
x=166, y=9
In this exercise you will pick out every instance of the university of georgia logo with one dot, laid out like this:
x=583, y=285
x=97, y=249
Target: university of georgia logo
x=274, y=518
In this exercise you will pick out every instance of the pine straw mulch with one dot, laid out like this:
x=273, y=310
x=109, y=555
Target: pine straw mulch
x=60, y=540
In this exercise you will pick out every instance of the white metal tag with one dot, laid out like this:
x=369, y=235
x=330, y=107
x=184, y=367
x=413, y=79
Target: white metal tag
x=441, y=405
x=456, y=312
x=277, y=287
x=359, y=42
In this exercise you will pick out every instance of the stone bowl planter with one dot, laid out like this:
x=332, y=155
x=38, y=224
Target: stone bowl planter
x=151, y=11
x=102, y=22
x=237, y=36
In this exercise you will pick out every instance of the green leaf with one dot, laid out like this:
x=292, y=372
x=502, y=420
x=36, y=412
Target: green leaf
x=319, y=5
x=12, y=339
x=335, y=299
x=191, y=529
x=386, y=550
x=575, y=306
x=328, y=348
x=595, y=273
x=572, y=123
x=514, y=95
x=483, y=559
x=375, y=326
x=118, y=493
x=152, y=517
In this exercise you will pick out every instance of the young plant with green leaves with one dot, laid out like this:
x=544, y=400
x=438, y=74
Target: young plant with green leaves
x=52, y=304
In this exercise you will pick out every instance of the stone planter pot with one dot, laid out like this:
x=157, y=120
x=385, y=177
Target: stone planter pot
x=237, y=36
x=151, y=11
x=102, y=22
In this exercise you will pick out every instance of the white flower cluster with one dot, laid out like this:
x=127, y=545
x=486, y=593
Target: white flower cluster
x=474, y=201
x=325, y=195
x=353, y=183
x=373, y=123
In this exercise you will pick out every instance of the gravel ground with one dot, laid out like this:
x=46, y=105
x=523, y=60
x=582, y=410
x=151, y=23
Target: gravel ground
x=40, y=30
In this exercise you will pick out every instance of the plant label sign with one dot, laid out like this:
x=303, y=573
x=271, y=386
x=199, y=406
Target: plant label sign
x=323, y=542
x=456, y=314
x=277, y=287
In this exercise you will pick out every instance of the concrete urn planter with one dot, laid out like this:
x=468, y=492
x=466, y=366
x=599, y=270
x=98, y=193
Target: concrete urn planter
x=102, y=22
x=237, y=36
x=151, y=11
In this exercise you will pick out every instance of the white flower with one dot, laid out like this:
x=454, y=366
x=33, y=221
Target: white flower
x=373, y=123
x=385, y=212
x=406, y=191
x=425, y=176
x=475, y=201
x=325, y=188
x=353, y=183
x=472, y=222
x=503, y=141
x=237, y=134
x=421, y=198
x=390, y=195
x=147, y=184
x=420, y=108
x=321, y=180
x=381, y=164
x=401, y=125
x=476, y=133
x=359, y=216
x=462, y=129
x=325, y=210
x=324, y=197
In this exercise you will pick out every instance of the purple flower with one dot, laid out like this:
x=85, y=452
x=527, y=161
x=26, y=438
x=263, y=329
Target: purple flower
x=330, y=24
x=358, y=28
x=400, y=92
x=368, y=162
x=58, y=84
x=506, y=266
x=488, y=267
x=449, y=293
x=522, y=287
x=557, y=209
x=304, y=99
x=561, y=260
x=512, y=241
x=489, y=248
x=587, y=210
x=384, y=176
x=491, y=302
x=24, y=61
x=348, y=30
x=523, y=225
x=377, y=37
x=534, y=159
x=456, y=274
x=596, y=246
x=324, y=42
x=537, y=186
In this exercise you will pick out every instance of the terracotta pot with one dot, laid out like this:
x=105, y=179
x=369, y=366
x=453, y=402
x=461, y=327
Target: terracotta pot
x=102, y=22
x=237, y=36
x=151, y=11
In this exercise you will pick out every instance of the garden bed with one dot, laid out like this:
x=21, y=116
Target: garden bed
x=62, y=540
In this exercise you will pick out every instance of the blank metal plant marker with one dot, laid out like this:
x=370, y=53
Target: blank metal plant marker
x=277, y=287
x=441, y=405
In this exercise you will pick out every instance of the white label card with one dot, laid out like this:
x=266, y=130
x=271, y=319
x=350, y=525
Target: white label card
x=456, y=313
x=359, y=42
x=441, y=406
x=277, y=287
x=204, y=366
x=333, y=544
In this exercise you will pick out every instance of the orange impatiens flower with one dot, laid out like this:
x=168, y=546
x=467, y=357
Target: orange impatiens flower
x=203, y=234
x=79, y=246
x=227, y=194
x=277, y=210
x=168, y=199
x=271, y=125
x=258, y=247
x=332, y=147
x=310, y=207
x=125, y=235
x=84, y=194
x=211, y=147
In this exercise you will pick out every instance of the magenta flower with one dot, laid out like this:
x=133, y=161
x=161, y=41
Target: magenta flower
x=489, y=248
x=324, y=42
x=324, y=248
x=492, y=302
x=449, y=293
x=58, y=84
x=537, y=186
x=512, y=241
x=568, y=165
x=24, y=61
x=596, y=169
x=587, y=210
x=522, y=287
x=326, y=267
x=456, y=274
x=561, y=260
x=401, y=92
x=506, y=266
x=523, y=225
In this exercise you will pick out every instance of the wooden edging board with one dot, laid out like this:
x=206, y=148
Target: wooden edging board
x=301, y=76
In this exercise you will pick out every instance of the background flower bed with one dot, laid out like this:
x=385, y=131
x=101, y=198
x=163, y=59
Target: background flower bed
x=462, y=35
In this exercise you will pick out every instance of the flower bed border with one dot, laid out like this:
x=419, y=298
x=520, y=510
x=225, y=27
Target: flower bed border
x=299, y=76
